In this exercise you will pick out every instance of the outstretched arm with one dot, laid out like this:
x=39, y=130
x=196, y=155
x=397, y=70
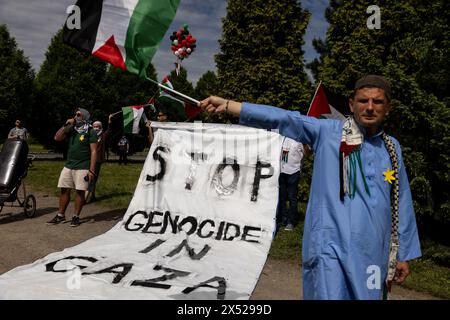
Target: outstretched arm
x=288, y=123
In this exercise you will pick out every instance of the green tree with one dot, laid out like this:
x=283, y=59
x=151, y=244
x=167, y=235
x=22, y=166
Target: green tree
x=411, y=49
x=261, y=58
x=16, y=84
x=67, y=79
x=181, y=83
x=207, y=85
x=123, y=89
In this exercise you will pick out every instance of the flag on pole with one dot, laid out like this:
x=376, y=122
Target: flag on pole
x=321, y=108
x=132, y=117
x=178, y=109
x=124, y=33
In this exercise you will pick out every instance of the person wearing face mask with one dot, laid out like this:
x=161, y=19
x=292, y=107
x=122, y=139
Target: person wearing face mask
x=102, y=140
x=161, y=117
x=79, y=169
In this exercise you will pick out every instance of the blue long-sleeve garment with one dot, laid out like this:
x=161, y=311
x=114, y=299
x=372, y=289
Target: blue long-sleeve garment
x=345, y=243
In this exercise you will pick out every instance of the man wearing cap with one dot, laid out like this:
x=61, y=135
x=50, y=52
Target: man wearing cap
x=360, y=229
x=79, y=170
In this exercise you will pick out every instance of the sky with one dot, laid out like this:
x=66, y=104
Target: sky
x=33, y=23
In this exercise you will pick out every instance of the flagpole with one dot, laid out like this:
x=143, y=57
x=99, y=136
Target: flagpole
x=113, y=114
x=315, y=93
x=192, y=100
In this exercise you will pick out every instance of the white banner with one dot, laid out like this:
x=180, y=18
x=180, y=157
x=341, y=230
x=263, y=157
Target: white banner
x=199, y=226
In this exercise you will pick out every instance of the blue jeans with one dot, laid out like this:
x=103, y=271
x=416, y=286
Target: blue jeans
x=288, y=192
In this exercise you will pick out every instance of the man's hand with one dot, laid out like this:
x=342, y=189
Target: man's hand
x=215, y=104
x=91, y=176
x=402, y=272
x=70, y=121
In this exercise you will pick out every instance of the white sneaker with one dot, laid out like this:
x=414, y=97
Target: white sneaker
x=289, y=227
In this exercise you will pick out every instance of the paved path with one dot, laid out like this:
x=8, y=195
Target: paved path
x=25, y=240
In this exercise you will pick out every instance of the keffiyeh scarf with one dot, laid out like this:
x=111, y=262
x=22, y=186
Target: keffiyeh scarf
x=349, y=161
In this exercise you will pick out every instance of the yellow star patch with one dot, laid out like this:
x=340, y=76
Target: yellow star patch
x=389, y=175
x=82, y=137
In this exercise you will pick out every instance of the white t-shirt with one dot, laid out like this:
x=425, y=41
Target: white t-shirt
x=291, y=156
x=20, y=133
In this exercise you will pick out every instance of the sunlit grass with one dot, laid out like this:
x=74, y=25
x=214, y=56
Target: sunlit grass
x=115, y=186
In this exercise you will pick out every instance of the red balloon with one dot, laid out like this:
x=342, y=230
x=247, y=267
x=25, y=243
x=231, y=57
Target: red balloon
x=185, y=41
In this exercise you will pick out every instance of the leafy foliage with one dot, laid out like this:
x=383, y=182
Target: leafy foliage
x=181, y=83
x=261, y=58
x=207, y=85
x=16, y=84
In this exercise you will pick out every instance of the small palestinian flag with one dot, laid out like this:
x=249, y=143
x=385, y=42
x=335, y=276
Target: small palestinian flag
x=125, y=33
x=176, y=109
x=321, y=108
x=132, y=117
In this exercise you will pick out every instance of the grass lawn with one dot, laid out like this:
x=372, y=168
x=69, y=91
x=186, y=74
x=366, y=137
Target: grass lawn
x=115, y=186
x=117, y=183
x=36, y=148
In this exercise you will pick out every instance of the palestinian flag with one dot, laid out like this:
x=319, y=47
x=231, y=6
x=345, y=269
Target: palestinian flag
x=321, y=108
x=133, y=116
x=176, y=109
x=125, y=33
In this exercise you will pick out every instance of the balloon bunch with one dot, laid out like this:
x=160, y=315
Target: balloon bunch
x=183, y=44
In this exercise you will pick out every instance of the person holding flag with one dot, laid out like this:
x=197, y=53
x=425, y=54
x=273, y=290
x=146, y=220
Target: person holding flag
x=360, y=229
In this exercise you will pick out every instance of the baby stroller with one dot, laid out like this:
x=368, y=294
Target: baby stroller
x=14, y=164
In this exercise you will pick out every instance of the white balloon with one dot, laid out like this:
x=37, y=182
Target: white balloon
x=188, y=50
x=175, y=42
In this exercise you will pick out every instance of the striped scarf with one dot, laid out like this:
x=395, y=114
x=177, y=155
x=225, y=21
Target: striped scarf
x=395, y=196
x=349, y=160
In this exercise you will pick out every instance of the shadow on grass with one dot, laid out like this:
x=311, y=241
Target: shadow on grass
x=110, y=215
x=110, y=196
x=19, y=216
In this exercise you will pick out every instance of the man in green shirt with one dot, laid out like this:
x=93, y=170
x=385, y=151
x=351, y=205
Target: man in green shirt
x=79, y=169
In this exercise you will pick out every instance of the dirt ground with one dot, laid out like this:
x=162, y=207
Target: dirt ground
x=23, y=240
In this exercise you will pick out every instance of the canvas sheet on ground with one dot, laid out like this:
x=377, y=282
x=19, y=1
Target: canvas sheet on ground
x=199, y=226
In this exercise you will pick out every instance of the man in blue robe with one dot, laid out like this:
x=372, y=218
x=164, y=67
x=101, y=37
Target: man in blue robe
x=348, y=233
